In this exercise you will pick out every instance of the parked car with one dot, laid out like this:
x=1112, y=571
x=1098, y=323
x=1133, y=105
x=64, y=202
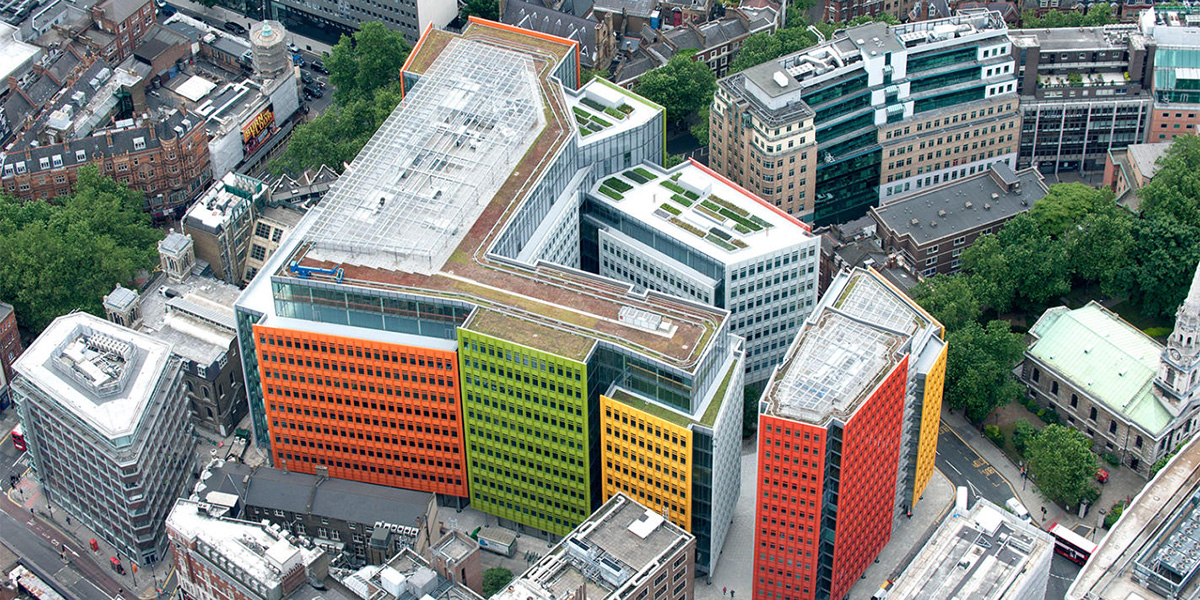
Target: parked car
x=236, y=28
x=166, y=10
x=313, y=91
x=319, y=67
x=298, y=60
x=292, y=47
x=306, y=78
x=1101, y=475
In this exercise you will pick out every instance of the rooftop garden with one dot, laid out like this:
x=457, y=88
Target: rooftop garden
x=724, y=214
x=593, y=117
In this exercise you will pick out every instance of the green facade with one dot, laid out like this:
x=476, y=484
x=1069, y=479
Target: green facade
x=526, y=417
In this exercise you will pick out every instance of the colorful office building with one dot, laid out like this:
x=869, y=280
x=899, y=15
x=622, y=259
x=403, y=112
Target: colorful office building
x=429, y=321
x=847, y=438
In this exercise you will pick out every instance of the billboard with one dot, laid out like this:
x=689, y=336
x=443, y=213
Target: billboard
x=258, y=130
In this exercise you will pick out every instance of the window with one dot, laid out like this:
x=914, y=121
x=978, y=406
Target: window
x=263, y=231
x=1036, y=374
x=1054, y=387
x=1074, y=401
x=958, y=241
x=258, y=252
x=931, y=251
x=1137, y=442
x=1112, y=426
x=1092, y=413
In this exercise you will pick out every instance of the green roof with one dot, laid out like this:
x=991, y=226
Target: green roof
x=1110, y=359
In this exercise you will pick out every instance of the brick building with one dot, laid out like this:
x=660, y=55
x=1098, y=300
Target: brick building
x=167, y=160
x=127, y=21
x=10, y=340
x=931, y=230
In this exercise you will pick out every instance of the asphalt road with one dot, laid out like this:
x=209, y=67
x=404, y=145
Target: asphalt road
x=963, y=466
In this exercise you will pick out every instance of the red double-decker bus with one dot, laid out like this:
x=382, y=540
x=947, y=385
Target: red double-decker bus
x=1071, y=545
x=18, y=438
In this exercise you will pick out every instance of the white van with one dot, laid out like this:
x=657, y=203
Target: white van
x=1017, y=509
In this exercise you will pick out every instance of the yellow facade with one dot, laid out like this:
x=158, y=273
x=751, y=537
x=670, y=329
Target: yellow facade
x=646, y=457
x=931, y=417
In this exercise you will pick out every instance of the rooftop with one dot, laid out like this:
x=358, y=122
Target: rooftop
x=458, y=263
x=603, y=109
x=699, y=209
x=264, y=555
x=1110, y=359
x=351, y=501
x=223, y=201
x=14, y=54
x=996, y=194
x=1110, y=37
x=195, y=316
x=636, y=8
x=1145, y=156
x=537, y=17
x=104, y=374
x=1118, y=567
x=999, y=551
x=853, y=339
x=406, y=576
x=621, y=540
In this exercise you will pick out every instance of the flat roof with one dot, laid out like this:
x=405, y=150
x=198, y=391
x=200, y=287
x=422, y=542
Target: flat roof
x=123, y=365
x=701, y=210
x=14, y=53
x=194, y=316
x=536, y=298
x=855, y=337
x=1114, y=570
x=1002, y=552
x=603, y=554
x=963, y=205
x=1057, y=39
x=603, y=109
x=263, y=554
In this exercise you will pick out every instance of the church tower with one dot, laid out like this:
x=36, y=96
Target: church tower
x=1178, y=374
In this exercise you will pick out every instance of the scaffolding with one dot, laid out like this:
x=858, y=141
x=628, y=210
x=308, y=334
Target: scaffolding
x=418, y=186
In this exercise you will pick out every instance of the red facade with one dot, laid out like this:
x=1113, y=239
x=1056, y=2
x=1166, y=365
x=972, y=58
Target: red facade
x=792, y=459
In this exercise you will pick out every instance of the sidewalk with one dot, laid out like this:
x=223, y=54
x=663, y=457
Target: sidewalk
x=144, y=585
x=1122, y=483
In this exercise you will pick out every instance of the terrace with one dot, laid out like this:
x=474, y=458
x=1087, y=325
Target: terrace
x=699, y=210
x=603, y=108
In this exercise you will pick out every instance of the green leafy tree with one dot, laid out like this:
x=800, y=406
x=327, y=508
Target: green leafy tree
x=64, y=256
x=682, y=86
x=757, y=49
x=494, y=580
x=1097, y=15
x=337, y=136
x=1175, y=190
x=671, y=160
x=979, y=367
x=369, y=61
x=1023, y=433
x=700, y=129
x=949, y=298
x=1099, y=249
x=484, y=9
x=1063, y=465
x=1067, y=204
x=1019, y=267
x=1166, y=252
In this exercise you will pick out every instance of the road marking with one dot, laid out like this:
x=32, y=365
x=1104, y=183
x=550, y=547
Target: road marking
x=951, y=465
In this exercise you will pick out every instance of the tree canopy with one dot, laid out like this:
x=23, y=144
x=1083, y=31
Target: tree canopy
x=1099, y=14
x=365, y=72
x=484, y=9
x=1063, y=465
x=949, y=298
x=1175, y=189
x=1068, y=203
x=1020, y=267
x=682, y=86
x=979, y=367
x=64, y=256
x=494, y=580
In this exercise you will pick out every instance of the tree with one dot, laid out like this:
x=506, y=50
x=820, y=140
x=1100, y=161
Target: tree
x=1175, y=190
x=1067, y=204
x=949, y=298
x=1062, y=464
x=1023, y=433
x=1099, y=249
x=672, y=160
x=369, y=61
x=979, y=367
x=1099, y=14
x=337, y=136
x=494, y=580
x=700, y=129
x=1166, y=252
x=64, y=256
x=682, y=86
x=757, y=49
x=484, y=9
x=1019, y=267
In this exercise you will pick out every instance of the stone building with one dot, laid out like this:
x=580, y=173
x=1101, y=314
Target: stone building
x=1136, y=399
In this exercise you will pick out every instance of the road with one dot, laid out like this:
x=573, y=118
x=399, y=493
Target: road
x=963, y=466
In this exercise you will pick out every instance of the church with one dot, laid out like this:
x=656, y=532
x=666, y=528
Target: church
x=1136, y=399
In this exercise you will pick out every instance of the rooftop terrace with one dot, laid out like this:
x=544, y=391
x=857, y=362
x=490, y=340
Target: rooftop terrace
x=700, y=210
x=457, y=263
x=603, y=108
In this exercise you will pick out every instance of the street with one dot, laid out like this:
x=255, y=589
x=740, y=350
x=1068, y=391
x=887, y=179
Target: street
x=963, y=466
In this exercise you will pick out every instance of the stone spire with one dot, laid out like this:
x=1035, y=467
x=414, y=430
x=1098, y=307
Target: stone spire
x=1177, y=373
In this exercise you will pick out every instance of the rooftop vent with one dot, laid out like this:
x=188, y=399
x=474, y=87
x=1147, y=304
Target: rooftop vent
x=933, y=223
x=987, y=206
x=941, y=213
x=914, y=222
x=995, y=196
x=780, y=79
x=968, y=204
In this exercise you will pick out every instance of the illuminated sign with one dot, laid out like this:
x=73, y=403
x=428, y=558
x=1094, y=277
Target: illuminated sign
x=258, y=130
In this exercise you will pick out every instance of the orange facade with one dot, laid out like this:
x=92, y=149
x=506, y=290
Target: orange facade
x=366, y=410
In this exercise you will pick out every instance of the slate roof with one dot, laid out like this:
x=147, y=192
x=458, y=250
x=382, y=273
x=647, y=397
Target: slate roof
x=545, y=20
x=351, y=501
x=1113, y=361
